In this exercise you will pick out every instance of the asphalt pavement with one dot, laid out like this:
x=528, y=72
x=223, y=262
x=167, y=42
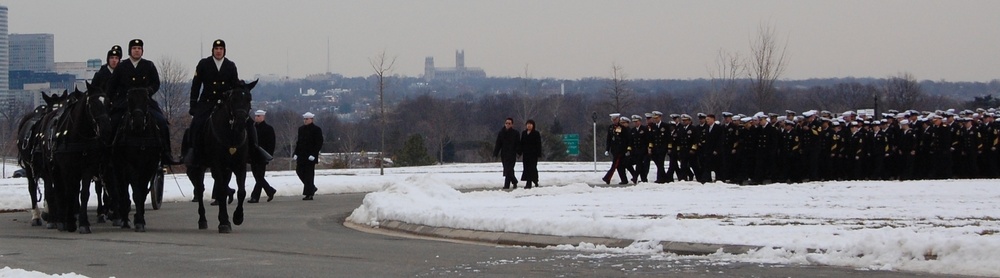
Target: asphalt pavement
x=293, y=238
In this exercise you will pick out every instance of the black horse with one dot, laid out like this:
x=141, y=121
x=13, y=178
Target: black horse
x=224, y=150
x=30, y=149
x=135, y=152
x=78, y=149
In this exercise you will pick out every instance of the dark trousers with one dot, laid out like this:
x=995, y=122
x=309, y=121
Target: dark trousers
x=643, y=168
x=906, y=167
x=674, y=167
x=661, y=173
x=709, y=163
x=306, y=170
x=620, y=164
x=258, y=175
x=508, y=170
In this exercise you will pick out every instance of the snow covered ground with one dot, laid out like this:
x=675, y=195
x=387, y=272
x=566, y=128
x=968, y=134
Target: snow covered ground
x=948, y=227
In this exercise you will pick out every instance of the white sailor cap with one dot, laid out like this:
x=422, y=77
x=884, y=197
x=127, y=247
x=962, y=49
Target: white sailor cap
x=260, y=113
x=308, y=115
x=746, y=119
x=809, y=113
x=657, y=113
x=623, y=119
x=636, y=118
x=904, y=122
x=649, y=115
x=615, y=115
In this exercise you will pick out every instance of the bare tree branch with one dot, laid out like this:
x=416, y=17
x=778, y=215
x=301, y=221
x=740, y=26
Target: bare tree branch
x=766, y=63
x=382, y=67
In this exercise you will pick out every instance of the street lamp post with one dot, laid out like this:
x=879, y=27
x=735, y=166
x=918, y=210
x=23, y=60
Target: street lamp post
x=594, y=117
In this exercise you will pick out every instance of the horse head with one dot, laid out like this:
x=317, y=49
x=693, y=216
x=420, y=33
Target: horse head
x=229, y=118
x=137, y=102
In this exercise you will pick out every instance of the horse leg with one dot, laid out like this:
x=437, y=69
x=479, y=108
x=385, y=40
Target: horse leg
x=52, y=203
x=36, y=214
x=84, y=189
x=241, y=178
x=102, y=210
x=122, y=199
x=140, y=190
x=69, y=190
x=197, y=177
x=220, y=190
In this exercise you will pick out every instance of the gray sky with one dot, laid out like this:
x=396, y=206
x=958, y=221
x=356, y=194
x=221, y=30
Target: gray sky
x=951, y=40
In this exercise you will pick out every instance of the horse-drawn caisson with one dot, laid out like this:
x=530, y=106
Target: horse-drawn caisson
x=69, y=141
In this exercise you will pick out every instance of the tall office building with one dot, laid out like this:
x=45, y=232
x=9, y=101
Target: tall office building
x=4, y=60
x=32, y=52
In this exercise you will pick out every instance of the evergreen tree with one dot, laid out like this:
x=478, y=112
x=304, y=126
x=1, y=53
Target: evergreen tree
x=553, y=148
x=414, y=153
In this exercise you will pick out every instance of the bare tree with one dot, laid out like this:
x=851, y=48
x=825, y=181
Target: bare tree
x=767, y=62
x=529, y=99
x=382, y=66
x=725, y=82
x=902, y=92
x=617, y=91
x=173, y=97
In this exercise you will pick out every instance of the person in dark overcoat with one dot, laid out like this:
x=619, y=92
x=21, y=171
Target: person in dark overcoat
x=265, y=137
x=102, y=76
x=306, y=155
x=506, y=148
x=530, y=151
x=659, y=145
x=135, y=73
x=214, y=76
x=711, y=150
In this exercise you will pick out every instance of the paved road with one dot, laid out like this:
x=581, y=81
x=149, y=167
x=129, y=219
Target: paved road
x=293, y=238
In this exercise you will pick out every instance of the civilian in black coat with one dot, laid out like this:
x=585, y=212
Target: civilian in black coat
x=506, y=147
x=265, y=137
x=711, y=149
x=306, y=155
x=530, y=151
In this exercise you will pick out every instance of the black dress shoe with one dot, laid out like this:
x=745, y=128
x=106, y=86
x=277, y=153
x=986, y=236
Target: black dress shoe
x=253, y=201
x=307, y=198
x=231, y=192
x=270, y=194
x=623, y=183
x=606, y=181
x=214, y=203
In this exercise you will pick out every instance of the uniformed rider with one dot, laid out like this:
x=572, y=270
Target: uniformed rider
x=136, y=73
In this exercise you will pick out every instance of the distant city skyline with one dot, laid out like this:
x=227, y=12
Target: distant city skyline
x=649, y=39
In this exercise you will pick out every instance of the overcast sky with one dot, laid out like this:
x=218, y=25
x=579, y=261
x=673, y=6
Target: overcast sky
x=951, y=40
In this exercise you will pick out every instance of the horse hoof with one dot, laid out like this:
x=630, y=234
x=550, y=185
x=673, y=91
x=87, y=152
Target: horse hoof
x=70, y=228
x=84, y=230
x=61, y=227
x=225, y=229
x=36, y=222
x=101, y=219
x=238, y=217
x=125, y=225
x=51, y=226
x=116, y=223
x=140, y=228
x=202, y=224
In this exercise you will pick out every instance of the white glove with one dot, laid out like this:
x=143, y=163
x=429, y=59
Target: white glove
x=294, y=157
x=312, y=158
x=606, y=153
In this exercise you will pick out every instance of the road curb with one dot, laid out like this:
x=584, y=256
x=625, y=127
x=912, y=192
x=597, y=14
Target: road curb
x=522, y=239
